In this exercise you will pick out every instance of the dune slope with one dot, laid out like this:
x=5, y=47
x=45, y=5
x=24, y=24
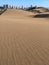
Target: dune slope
x=23, y=40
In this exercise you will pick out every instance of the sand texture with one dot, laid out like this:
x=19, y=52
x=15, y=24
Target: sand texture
x=23, y=40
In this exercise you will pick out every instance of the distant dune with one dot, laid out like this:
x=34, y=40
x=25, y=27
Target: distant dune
x=24, y=40
x=38, y=9
x=42, y=9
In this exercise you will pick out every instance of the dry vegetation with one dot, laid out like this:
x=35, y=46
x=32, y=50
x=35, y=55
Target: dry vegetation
x=23, y=40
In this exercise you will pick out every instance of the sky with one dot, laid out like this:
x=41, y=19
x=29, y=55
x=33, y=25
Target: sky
x=25, y=3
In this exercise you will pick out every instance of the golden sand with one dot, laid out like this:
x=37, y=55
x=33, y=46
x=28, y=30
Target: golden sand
x=23, y=40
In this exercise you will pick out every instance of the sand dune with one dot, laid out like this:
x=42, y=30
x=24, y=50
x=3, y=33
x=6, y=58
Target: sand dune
x=23, y=40
x=42, y=9
x=17, y=13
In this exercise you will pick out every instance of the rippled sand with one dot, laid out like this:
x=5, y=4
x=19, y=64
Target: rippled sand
x=23, y=40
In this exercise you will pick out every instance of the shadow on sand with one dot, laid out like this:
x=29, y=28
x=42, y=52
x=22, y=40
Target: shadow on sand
x=41, y=16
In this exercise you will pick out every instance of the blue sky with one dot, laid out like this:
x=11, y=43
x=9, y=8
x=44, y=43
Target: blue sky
x=25, y=3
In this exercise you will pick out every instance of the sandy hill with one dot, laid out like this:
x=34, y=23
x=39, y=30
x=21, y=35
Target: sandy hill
x=15, y=12
x=42, y=9
x=23, y=40
x=38, y=9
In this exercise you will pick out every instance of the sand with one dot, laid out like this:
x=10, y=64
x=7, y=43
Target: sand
x=23, y=40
